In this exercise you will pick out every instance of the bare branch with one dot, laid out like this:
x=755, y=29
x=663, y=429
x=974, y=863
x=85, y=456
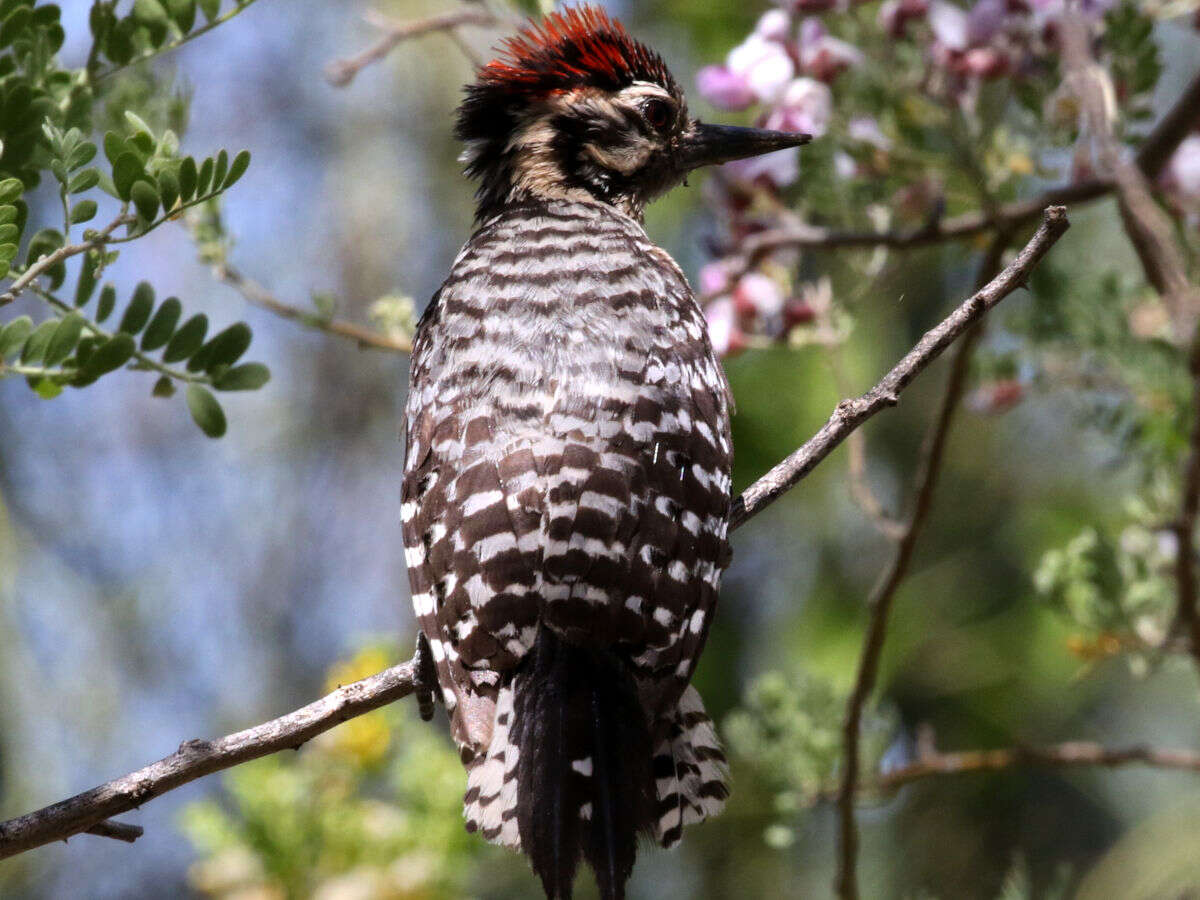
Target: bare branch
x=1070, y=755
x=118, y=831
x=195, y=759
x=260, y=296
x=850, y=414
x=342, y=71
x=879, y=604
x=1187, y=606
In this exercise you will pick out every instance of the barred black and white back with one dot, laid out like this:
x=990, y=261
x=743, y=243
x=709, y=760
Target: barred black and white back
x=567, y=483
x=568, y=475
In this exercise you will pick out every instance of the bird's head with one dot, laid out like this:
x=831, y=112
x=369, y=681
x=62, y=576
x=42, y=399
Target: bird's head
x=575, y=108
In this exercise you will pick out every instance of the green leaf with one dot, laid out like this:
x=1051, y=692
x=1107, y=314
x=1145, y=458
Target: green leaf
x=162, y=325
x=64, y=339
x=126, y=171
x=138, y=123
x=108, y=302
x=109, y=356
x=137, y=314
x=202, y=181
x=81, y=155
x=11, y=189
x=238, y=168
x=187, y=340
x=187, y=179
x=210, y=8
x=183, y=12
x=168, y=189
x=46, y=388
x=35, y=347
x=205, y=410
x=87, y=278
x=114, y=146
x=151, y=15
x=7, y=252
x=17, y=22
x=219, y=170
x=246, y=377
x=223, y=350
x=8, y=215
x=83, y=181
x=164, y=387
x=83, y=211
x=145, y=198
x=13, y=335
x=9, y=234
x=43, y=243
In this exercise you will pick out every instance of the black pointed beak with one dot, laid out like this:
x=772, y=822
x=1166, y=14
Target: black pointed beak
x=706, y=145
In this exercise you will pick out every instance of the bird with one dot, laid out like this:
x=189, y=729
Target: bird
x=567, y=480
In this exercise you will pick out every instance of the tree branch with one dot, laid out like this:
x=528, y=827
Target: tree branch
x=260, y=296
x=850, y=414
x=47, y=262
x=879, y=604
x=195, y=759
x=1071, y=754
x=341, y=72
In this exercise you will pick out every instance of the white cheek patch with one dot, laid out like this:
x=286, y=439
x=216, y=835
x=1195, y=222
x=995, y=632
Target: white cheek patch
x=625, y=160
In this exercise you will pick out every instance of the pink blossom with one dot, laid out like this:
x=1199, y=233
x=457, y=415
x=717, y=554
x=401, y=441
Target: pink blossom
x=867, y=130
x=765, y=65
x=949, y=24
x=986, y=21
x=778, y=169
x=844, y=165
x=757, y=296
x=823, y=56
x=714, y=278
x=723, y=329
x=805, y=106
x=1183, y=171
x=774, y=25
x=723, y=89
x=984, y=62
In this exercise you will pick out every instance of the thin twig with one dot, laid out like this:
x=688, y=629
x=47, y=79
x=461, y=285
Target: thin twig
x=118, y=831
x=1070, y=754
x=260, y=296
x=849, y=414
x=47, y=262
x=879, y=604
x=195, y=759
x=1187, y=606
x=341, y=72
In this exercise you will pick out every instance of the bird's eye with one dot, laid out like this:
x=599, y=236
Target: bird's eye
x=659, y=114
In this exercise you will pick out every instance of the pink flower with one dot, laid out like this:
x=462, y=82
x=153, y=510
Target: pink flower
x=805, y=106
x=765, y=66
x=723, y=89
x=1183, y=171
x=984, y=62
x=986, y=21
x=949, y=24
x=778, y=169
x=867, y=130
x=757, y=297
x=774, y=25
x=723, y=329
x=714, y=278
x=823, y=56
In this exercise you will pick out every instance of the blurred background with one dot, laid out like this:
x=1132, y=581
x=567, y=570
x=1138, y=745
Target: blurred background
x=156, y=585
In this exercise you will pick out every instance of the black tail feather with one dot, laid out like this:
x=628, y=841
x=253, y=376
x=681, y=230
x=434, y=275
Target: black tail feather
x=585, y=785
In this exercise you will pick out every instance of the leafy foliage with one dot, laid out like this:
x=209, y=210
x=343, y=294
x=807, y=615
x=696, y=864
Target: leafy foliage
x=50, y=114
